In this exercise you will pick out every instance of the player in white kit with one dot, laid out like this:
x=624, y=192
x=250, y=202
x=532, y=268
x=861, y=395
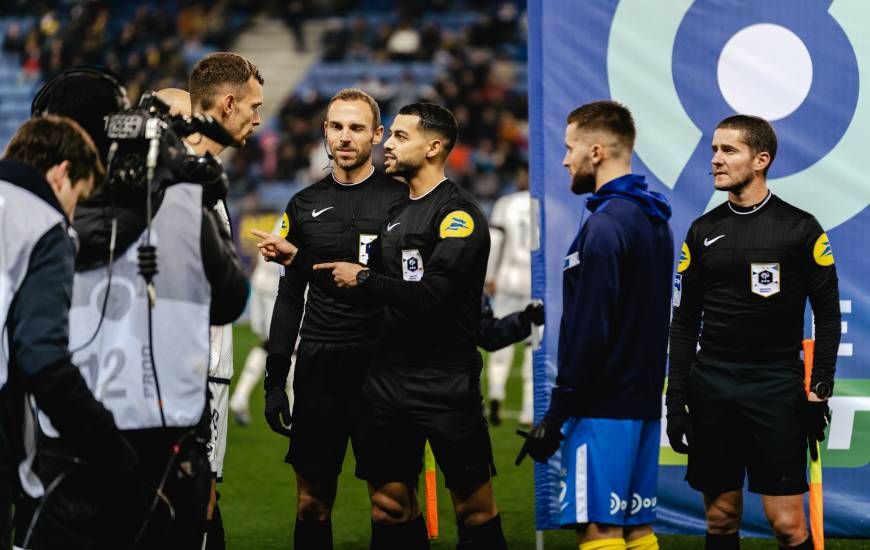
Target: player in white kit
x=509, y=275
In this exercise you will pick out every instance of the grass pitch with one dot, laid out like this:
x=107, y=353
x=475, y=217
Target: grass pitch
x=258, y=496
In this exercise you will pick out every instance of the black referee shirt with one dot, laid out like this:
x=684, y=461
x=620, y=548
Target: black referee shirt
x=747, y=272
x=432, y=256
x=332, y=222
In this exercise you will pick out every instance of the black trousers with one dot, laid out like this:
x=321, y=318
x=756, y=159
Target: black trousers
x=6, y=492
x=96, y=509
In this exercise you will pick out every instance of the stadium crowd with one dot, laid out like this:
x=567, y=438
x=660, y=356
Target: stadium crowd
x=149, y=46
x=477, y=68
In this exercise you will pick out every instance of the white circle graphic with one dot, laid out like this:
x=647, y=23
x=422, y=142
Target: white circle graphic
x=765, y=70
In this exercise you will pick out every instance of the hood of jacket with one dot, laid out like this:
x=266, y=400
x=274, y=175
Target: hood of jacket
x=634, y=188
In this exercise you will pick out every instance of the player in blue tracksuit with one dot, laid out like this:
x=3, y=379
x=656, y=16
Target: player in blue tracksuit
x=606, y=405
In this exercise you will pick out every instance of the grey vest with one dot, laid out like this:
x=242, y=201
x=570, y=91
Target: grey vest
x=117, y=364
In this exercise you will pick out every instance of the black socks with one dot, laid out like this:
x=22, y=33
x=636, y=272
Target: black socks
x=487, y=536
x=313, y=535
x=722, y=542
x=805, y=545
x=400, y=536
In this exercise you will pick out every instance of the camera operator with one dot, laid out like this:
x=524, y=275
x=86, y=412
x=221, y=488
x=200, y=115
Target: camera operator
x=144, y=347
x=49, y=166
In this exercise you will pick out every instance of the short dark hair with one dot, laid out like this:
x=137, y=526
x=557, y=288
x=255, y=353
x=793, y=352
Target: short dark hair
x=218, y=69
x=355, y=94
x=607, y=115
x=435, y=118
x=46, y=141
x=756, y=132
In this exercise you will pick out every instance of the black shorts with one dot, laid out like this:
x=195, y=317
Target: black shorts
x=404, y=406
x=746, y=419
x=326, y=387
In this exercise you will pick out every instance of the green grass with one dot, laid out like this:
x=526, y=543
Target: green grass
x=258, y=494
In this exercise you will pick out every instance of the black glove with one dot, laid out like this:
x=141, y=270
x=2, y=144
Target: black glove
x=544, y=440
x=533, y=314
x=278, y=410
x=817, y=416
x=679, y=425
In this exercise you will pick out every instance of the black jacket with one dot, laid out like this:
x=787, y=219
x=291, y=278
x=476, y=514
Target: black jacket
x=497, y=333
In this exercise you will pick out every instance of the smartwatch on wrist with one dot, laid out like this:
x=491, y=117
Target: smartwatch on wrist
x=363, y=276
x=822, y=389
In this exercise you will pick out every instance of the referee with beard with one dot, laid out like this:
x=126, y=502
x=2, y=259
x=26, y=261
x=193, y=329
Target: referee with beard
x=336, y=217
x=424, y=380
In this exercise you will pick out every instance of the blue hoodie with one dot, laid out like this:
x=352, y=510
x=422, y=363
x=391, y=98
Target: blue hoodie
x=617, y=280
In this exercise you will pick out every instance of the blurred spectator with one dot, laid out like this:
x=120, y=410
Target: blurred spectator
x=13, y=42
x=146, y=45
x=404, y=42
x=478, y=80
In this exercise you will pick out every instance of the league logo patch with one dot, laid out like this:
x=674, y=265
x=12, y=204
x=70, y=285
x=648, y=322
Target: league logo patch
x=365, y=247
x=822, y=252
x=765, y=279
x=412, y=265
x=285, y=226
x=456, y=224
x=685, y=259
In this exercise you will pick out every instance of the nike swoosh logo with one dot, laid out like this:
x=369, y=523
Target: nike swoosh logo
x=708, y=242
x=390, y=226
x=315, y=213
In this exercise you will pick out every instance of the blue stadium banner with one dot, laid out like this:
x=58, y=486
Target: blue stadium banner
x=681, y=66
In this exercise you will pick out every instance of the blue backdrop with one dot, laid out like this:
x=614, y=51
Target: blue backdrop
x=681, y=66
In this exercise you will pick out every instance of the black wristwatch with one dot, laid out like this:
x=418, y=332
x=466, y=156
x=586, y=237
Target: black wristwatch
x=822, y=390
x=362, y=277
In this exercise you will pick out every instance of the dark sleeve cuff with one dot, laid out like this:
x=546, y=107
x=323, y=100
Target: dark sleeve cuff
x=304, y=261
x=277, y=370
x=561, y=405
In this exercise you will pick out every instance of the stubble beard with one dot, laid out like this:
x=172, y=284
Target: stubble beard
x=404, y=169
x=735, y=187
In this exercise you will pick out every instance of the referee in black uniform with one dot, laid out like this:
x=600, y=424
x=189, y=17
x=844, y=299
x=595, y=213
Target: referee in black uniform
x=336, y=217
x=424, y=380
x=747, y=267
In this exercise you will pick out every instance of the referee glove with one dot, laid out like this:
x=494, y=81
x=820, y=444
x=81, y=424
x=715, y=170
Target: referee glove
x=817, y=416
x=278, y=410
x=679, y=425
x=544, y=440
